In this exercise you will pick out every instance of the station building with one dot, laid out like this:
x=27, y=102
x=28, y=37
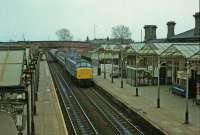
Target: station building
x=169, y=59
x=172, y=56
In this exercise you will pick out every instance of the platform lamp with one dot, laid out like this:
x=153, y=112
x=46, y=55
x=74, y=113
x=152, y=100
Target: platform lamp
x=112, y=80
x=99, y=64
x=98, y=68
x=121, y=59
x=104, y=63
x=158, y=93
x=187, y=94
x=136, y=77
x=115, y=50
x=123, y=50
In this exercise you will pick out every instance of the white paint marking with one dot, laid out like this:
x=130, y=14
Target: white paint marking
x=47, y=69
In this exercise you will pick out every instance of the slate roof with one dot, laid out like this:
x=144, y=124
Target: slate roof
x=187, y=36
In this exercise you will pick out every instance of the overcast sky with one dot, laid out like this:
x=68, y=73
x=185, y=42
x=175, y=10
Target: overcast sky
x=39, y=19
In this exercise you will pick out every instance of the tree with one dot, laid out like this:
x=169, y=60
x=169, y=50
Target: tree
x=11, y=40
x=64, y=35
x=121, y=32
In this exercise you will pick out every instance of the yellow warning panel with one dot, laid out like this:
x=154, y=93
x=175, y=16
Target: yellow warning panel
x=84, y=73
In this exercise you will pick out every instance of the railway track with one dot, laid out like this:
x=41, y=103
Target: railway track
x=89, y=112
x=120, y=124
x=81, y=124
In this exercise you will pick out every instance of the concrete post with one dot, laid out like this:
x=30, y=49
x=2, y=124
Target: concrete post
x=104, y=65
x=158, y=93
x=112, y=69
x=172, y=71
x=187, y=94
x=136, y=78
x=121, y=69
x=99, y=68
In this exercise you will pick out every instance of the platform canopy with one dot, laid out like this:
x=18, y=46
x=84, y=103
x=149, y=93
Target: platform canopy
x=137, y=46
x=181, y=50
x=134, y=48
x=117, y=48
x=113, y=47
x=196, y=56
x=94, y=55
x=11, y=66
x=153, y=49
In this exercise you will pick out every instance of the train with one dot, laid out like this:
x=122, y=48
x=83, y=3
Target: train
x=79, y=69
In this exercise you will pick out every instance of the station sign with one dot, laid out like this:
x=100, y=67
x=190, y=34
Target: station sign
x=182, y=74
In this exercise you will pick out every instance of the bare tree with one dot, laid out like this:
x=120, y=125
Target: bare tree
x=11, y=40
x=64, y=34
x=121, y=32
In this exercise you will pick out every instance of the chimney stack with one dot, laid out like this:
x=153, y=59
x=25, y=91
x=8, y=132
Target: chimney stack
x=197, y=24
x=170, y=26
x=150, y=32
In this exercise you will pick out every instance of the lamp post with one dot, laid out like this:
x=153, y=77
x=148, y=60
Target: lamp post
x=122, y=50
x=172, y=71
x=158, y=93
x=98, y=69
x=104, y=65
x=121, y=69
x=136, y=88
x=187, y=94
x=112, y=69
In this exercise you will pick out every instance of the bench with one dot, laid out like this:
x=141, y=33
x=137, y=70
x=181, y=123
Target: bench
x=178, y=89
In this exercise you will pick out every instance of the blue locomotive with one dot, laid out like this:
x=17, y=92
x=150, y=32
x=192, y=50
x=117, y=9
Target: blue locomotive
x=79, y=69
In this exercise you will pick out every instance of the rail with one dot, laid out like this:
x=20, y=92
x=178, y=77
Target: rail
x=79, y=120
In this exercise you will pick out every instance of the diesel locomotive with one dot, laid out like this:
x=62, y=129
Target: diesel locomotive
x=79, y=69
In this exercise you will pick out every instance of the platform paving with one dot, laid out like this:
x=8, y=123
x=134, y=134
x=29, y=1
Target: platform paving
x=49, y=120
x=169, y=118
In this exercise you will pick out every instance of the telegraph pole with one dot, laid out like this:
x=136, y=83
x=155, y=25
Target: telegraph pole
x=23, y=37
x=199, y=5
x=94, y=31
x=141, y=35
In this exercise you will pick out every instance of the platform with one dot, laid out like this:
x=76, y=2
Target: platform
x=49, y=120
x=169, y=118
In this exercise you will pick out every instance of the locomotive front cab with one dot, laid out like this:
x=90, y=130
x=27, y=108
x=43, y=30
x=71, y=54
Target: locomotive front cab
x=84, y=70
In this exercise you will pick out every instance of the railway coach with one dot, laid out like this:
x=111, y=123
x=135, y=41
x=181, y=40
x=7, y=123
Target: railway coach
x=79, y=69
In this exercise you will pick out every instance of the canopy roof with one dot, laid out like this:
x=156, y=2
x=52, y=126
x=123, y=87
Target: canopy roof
x=196, y=56
x=181, y=50
x=131, y=51
x=186, y=50
x=154, y=48
x=113, y=47
x=137, y=46
x=11, y=66
x=94, y=55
